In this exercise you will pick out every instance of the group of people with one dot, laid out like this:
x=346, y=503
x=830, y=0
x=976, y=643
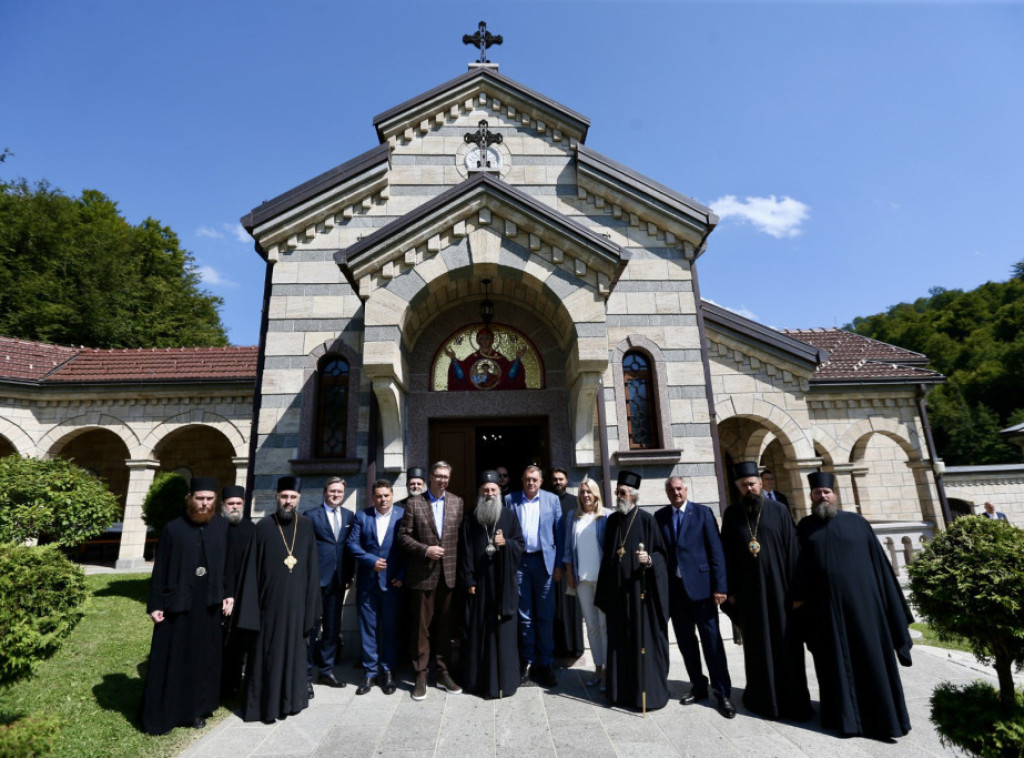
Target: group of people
x=230, y=596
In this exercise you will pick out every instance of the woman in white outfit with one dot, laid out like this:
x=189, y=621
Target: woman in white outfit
x=584, y=542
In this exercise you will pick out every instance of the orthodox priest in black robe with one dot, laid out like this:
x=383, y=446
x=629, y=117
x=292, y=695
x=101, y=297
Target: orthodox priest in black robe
x=240, y=530
x=490, y=548
x=761, y=550
x=186, y=601
x=857, y=619
x=632, y=590
x=279, y=602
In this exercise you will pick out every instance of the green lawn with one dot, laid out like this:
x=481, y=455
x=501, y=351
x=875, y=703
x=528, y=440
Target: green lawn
x=93, y=684
x=930, y=639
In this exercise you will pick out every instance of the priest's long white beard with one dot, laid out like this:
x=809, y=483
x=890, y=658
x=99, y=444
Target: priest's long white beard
x=622, y=505
x=824, y=509
x=488, y=511
x=233, y=517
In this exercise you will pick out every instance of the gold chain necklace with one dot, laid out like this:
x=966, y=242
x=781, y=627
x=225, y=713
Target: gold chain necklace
x=754, y=546
x=291, y=560
x=622, y=543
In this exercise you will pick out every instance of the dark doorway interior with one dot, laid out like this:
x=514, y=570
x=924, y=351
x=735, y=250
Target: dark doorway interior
x=474, y=445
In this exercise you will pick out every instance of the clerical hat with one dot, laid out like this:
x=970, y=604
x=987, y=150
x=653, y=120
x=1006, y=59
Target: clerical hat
x=821, y=479
x=416, y=473
x=289, y=483
x=235, y=490
x=202, y=484
x=629, y=479
x=745, y=469
x=488, y=477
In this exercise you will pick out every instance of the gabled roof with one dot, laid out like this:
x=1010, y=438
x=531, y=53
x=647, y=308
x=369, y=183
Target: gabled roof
x=746, y=329
x=436, y=212
x=466, y=86
x=29, y=362
x=334, y=179
x=858, y=359
x=642, y=195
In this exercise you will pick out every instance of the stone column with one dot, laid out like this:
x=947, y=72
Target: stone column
x=241, y=470
x=800, y=499
x=927, y=493
x=858, y=473
x=133, y=531
x=847, y=499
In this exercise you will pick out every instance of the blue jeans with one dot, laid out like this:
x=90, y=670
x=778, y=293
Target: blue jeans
x=536, y=611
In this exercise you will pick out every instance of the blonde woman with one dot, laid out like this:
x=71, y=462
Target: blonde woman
x=584, y=541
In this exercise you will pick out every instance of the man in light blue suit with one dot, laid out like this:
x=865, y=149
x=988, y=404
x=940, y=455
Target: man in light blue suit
x=380, y=570
x=540, y=517
x=331, y=525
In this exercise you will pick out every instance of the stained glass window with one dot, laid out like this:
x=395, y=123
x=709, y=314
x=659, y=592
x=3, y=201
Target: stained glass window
x=641, y=412
x=332, y=407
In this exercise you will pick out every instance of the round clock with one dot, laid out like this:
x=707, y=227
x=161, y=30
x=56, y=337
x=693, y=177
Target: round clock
x=487, y=159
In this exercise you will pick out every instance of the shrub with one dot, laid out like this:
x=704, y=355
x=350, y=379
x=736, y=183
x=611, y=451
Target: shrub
x=969, y=582
x=52, y=499
x=165, y=501
x=970, y=718
x=41, y=599
x=28, y=737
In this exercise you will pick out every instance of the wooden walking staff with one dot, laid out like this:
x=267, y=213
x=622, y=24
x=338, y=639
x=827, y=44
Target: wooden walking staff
x=643, y=636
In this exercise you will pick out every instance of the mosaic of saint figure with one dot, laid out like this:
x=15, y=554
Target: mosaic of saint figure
x=487, y=368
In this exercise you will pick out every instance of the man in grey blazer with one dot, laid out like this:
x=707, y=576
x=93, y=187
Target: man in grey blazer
x=540, y=517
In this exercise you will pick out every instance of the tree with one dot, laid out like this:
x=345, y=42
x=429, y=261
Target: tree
x=165, y=501
x=53, y=500
x=969, y=582
x=74, y=271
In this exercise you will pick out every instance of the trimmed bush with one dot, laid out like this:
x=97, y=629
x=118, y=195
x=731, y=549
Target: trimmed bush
x=41, y=599
x=28, y=737
x=970, y=718
x=165, y=501
x=53, y=500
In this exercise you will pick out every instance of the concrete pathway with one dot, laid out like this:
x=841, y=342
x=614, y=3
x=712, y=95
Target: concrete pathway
x=571, y=720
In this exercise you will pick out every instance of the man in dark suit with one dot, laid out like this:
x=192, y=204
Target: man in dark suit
x=696, y=587
x=768, y=488
x=331, y=525
x=429, y=535
x=540, y=517
x=992, y=513
x=380, y=568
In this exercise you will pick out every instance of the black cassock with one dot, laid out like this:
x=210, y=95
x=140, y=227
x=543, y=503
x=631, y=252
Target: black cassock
x=280, y=606
x=183, y=675
x=234, y=640
x=490, y=644
x=856, y=626
x=629, y=618
x=568, y=626
x=773, y=652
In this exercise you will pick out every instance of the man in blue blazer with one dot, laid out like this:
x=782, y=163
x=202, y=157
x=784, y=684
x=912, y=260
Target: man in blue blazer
x=540, y=517
x=380, y=570
x=331, y=525
x=697, y=586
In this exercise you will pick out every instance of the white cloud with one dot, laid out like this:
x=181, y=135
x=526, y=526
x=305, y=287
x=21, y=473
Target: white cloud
x=208, y=231
x=211, y=276
x=741, y=311
x=780, y=218
x=240, y=234
x=220, y=231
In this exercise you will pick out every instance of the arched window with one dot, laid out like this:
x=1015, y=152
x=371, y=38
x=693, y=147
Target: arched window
x=641, y=411
x=332, y=407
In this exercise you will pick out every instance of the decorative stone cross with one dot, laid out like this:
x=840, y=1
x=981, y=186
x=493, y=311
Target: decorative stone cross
x=483, y=39
x=482, y=137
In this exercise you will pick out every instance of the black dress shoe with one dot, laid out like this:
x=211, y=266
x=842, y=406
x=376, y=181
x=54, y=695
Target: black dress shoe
x=693, y=696
x=330, y=679
x=199, y=723
x=309, y=690
x=726, y=708
x=543, y=675
x=389, y=683
x=366, y=686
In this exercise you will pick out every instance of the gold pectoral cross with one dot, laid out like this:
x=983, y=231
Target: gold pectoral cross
x=290, y=562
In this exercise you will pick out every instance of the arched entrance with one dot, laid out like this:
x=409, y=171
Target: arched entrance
x=197, y=450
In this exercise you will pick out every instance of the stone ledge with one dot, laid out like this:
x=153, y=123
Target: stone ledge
x=651, y=457
x=326, y=466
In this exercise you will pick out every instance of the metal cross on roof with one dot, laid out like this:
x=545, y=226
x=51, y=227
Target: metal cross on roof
x=483, y=39
x=482, y=137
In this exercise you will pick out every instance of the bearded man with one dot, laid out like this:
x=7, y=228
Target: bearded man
x=279, y=602
x=240, y=529
x=186, y=601
x=857, y=618
x=761, y=549
x=490, y=548
x=632, y=590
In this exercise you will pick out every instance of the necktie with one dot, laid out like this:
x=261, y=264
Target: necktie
x=335, y=522
x=679, y=521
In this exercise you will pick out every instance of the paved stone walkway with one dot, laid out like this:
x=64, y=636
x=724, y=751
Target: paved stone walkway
x=571, y=720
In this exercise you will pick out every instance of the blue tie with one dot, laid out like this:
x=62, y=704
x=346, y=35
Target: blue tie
x=679, y=522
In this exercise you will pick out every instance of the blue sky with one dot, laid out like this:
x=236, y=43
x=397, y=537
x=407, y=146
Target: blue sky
x=858, y=153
